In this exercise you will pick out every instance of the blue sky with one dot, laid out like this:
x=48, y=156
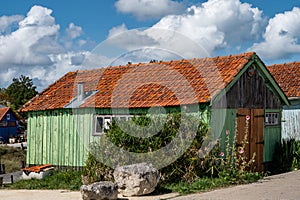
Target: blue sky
x=45, y=39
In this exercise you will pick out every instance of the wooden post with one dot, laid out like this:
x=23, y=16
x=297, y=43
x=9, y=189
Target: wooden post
x=22, y=164
x=2, y=169
x=12, y=179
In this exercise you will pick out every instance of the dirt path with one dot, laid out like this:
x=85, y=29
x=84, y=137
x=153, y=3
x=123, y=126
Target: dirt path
x=279, y=187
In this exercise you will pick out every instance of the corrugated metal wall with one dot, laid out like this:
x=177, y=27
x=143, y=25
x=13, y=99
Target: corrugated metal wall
x=291, y=124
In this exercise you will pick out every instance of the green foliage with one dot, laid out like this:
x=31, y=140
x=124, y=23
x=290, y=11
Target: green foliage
x=207, y=183
x=166, y=129
x=4, y=99
x=95, y=171
x=232, y=163
x=190, y=172
x=200, y=185
x=69, y=180
x=287, y=156
x=20, y=91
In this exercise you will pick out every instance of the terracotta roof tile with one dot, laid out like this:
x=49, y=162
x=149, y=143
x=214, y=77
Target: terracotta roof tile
x=3, y=111
x=169, y=83
x=287, y=76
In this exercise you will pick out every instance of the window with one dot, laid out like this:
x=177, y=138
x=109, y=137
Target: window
x=3, y=124
x=99, y=125
x=272, y=118
x=102, y=122
x=12, y=124
x=8, y=116
x=107, y=121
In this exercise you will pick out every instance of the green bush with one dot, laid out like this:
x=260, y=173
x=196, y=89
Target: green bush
x=286, y=156
x=186, y=167
x=229, y=164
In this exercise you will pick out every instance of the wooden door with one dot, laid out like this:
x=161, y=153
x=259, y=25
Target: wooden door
x=250, y=122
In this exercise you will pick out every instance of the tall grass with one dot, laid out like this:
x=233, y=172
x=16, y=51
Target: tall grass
x=12, y=157
x=69, y=180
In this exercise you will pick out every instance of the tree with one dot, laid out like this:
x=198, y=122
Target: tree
x=4, y=99
x=20, y=91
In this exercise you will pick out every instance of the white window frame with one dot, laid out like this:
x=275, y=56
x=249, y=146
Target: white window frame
x=106, y=120
x=272, y=119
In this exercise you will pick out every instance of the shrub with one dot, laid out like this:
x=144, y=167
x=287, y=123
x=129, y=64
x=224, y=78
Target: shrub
x=186, y=167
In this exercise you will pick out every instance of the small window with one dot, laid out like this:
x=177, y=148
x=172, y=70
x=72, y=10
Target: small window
x=107, y=121
x=8, y=116
x=3, y=124
x=99, y=124
x=12, y=124
x=272, y=119
x=102, y=123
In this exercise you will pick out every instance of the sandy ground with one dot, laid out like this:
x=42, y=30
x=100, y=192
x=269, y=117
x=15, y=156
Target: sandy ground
x=279, y=187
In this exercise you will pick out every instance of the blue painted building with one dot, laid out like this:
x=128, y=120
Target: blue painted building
x=8, y=123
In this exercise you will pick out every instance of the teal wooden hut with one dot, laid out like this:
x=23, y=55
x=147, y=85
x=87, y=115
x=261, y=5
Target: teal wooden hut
x=73, y=112
x=288, y=77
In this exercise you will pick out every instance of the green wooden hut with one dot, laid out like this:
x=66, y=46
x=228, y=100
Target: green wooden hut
x=73, y=112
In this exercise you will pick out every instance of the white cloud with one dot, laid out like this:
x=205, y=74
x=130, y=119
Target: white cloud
x=200, y=31
x=7, y=21
x=73, y=34
x=7, y=75
x=32, y=41
x=74, y=31
x=217, y=23
x=281, y=37
x=144, y=9
x=129, y=39
x=37, y=49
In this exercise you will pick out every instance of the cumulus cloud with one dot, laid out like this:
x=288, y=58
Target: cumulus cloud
x=7, y=21
x=72, y=38
x=74, y=31
x=213, y=28
x=35, y=47
x=145, y=9
x=281, y=37
x=30, y=43
x=206, y=25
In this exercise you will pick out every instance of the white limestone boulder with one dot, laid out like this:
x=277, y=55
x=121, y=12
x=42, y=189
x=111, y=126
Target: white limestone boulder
x=137, y=179
x=104, y=190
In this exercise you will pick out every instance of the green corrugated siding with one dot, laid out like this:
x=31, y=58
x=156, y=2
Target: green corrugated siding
x=62, y=137
x=272, y=137
x=59, y=137
x=222, y=120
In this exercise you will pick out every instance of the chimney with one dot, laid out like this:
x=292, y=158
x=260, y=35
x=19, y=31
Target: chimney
x=80, y=92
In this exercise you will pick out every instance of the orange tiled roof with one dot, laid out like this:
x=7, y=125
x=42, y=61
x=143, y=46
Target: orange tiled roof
x=287, y=76
x=3, y=111
x=171, y=83
x=38, y=168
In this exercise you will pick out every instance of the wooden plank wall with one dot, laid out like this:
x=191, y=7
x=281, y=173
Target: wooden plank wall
x=59, y=137
x=62, y=137
x=250, y=92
